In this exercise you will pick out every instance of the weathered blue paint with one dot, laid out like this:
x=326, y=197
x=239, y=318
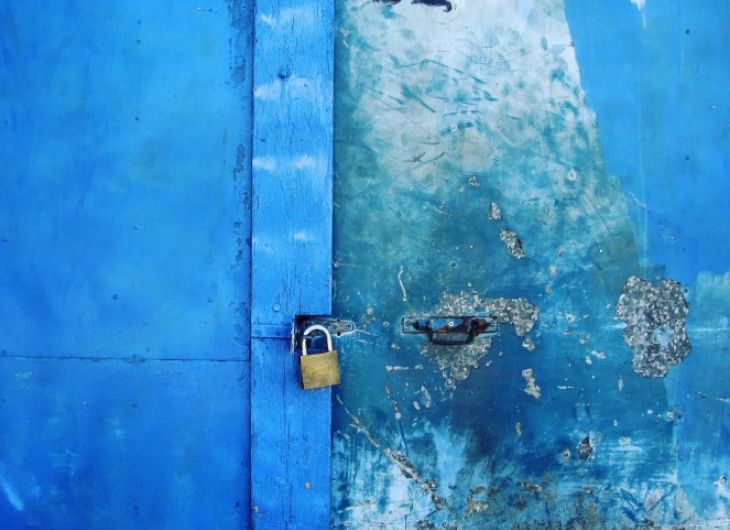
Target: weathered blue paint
x=124, y=213
x=509, y=150
x=291, y=258
x=657, y=79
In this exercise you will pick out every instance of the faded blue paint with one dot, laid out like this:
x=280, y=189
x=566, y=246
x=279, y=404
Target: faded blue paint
x=124, y=213
x=599, y=129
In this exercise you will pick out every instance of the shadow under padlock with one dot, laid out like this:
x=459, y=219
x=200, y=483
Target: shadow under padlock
x=318, y=370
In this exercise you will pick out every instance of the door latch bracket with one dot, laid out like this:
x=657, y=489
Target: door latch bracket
x=335, y=326
x=445, y=330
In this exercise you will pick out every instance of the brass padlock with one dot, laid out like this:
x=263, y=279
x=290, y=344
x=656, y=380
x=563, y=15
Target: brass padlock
x=321, y=369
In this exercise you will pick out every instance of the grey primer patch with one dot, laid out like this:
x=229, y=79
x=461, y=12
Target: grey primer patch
x=655, y=317
x=512, y=242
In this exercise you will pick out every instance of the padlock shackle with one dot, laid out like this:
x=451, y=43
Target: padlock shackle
x=310, y=330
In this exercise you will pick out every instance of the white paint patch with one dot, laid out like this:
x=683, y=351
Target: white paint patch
x=302, y=235
x=426, y=397
x=12, y=495
x=265, y=163
x=304, y=16
x=450, y=457
x=304, y=162
x=296, y=87
x=641, y=7
x=312, y=164
x=402, y=286
x=268, y=91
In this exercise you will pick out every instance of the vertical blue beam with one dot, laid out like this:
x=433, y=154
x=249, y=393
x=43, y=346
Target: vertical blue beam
x=291, y=257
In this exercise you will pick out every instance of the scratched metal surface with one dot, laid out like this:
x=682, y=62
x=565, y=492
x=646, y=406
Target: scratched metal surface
x=124, y=209
x=565, y=165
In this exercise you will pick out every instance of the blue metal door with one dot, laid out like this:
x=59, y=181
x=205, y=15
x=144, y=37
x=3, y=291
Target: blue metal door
x=124, y=264
x=531, y=234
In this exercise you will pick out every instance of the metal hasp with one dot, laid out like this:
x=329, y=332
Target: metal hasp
x=335, y=326
x=451, y=330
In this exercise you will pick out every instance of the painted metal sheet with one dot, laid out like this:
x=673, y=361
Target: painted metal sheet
x=118, y=444
x=125, y=138
x=125, y=132
x=291, y=258
x=561, y=167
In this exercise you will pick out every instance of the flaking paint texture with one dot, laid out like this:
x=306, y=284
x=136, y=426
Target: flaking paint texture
x=474, y=175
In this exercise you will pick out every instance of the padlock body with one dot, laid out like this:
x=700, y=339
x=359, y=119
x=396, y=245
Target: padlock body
x=320, y=370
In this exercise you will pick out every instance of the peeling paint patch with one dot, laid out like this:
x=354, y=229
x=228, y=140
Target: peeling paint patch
x=426, y=400
x=585, y=449
x=455, y=364
x=519, y=312
x=655, y=316
x=531, y=387
x=474, y=506
x=512, y=242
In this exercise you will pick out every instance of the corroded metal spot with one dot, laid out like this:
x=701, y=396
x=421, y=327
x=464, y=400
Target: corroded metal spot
x=585, y=449
x=655, y=317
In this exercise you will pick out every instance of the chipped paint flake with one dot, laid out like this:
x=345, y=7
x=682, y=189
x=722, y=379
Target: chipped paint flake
x=474, y=506
x=528, y=344
x=495, y=212
x=513, y=243
x=585, y=448
x=426, y=399
x=531, y=387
